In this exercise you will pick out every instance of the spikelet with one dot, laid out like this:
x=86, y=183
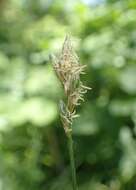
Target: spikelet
x=68, y=70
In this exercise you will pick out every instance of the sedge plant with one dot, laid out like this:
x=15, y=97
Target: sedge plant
x=69, y=70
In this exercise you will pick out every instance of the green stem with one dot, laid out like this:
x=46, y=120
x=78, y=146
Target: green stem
x=72, y=161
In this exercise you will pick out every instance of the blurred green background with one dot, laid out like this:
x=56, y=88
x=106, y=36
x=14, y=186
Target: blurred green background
x=33, y=146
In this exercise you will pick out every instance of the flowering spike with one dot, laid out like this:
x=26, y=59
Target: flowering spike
x=68, y=70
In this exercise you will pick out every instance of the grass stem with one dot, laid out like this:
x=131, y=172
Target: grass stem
x=72, y=161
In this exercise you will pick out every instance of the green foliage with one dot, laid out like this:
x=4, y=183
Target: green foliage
x=33, y=150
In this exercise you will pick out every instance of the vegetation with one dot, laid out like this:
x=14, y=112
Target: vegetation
x=33, y=153
x=68, y=70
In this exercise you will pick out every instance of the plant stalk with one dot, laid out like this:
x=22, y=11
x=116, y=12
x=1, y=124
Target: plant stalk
x=72, y=161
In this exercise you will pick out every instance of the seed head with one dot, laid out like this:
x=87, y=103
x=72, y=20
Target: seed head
x=68, y=70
